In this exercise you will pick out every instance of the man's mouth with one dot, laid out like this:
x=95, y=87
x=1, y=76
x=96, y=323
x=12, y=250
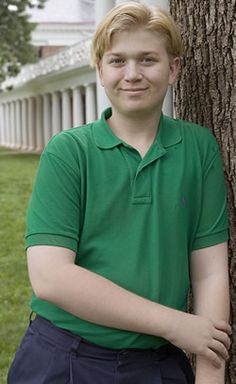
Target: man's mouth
x=133, y=90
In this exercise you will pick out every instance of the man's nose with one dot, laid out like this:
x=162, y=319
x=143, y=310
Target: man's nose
x=132, y=71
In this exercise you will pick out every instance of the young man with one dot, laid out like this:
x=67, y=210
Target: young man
x=127, y=212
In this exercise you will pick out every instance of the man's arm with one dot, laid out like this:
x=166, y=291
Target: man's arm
x=56, y=279
x=209, y=275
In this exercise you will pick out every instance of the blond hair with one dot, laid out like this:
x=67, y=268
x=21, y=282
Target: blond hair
x=133, y=15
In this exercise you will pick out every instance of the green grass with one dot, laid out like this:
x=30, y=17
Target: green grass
x=17, y=173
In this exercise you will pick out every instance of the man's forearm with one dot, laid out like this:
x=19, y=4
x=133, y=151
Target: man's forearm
x=212, y=301
x=90, y=296
x=100, y=301
x=206, y=374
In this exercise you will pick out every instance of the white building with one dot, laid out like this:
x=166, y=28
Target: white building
x=60, y=91
x=61, y=23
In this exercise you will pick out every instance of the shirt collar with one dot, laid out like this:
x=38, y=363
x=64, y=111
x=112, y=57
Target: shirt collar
x=168, y=132
x=103, y=135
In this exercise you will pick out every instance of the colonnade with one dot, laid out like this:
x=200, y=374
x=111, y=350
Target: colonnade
x=35, y=111
x=28, y=123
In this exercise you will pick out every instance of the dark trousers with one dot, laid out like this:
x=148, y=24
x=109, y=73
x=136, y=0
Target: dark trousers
x=49, y=355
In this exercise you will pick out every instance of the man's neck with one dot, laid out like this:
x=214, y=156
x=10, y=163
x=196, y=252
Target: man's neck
x=139, y=132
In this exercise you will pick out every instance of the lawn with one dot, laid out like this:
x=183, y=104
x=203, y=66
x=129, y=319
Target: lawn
x=16, y=179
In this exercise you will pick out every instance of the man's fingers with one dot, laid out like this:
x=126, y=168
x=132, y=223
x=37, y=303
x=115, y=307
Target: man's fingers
x=219, y=348
x=223, y=338
x=223, y=326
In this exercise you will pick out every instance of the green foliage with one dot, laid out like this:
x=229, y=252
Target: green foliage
x=15, y=36
x=16, y=174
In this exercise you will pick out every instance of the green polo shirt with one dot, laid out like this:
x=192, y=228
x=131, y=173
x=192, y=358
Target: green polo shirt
x=132, y=220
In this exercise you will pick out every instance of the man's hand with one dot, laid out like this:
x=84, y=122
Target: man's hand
x=202, y=337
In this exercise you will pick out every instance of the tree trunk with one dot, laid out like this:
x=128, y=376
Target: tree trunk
x=205, y=94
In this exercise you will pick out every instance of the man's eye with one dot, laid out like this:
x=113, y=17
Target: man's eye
x=148, y=60
x=117, y=60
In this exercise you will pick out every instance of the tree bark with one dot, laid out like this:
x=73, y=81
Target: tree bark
x=206, y=94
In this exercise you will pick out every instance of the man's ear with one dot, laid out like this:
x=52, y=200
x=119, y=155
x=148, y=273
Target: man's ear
x=100, y=74
x=174, y=69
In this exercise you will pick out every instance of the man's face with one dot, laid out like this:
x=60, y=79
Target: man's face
x=136, y=71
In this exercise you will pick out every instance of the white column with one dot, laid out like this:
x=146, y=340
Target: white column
x=7, y=124
x=39, y=123
x=101, y=8
x=66, y=109
x=2, y=133
x=31, y=123
x=56, y=113
x=4, y=123
x=168, y=104
x=164, y=4
x=12, y=124
x=47, y=119
x=24, y=122
x=90, y=103
x=14, y=117
x=1, y=124
x=18, y=125
x=77, y=107
x=102, y=99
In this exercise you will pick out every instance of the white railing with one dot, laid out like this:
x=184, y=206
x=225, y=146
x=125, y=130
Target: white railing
x=75, y=55
x=55, y=94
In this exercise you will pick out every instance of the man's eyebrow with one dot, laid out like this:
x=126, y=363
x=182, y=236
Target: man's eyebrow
x=113, y=54
x=141, y=53
x=149, y=53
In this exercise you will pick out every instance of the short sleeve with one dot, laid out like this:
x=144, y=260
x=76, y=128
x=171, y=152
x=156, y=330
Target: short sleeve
x=213, y=222
x=53, y=215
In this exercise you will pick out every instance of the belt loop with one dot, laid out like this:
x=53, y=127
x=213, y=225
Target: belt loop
x=75, y=345
x=74, y=351
x=31, y=319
